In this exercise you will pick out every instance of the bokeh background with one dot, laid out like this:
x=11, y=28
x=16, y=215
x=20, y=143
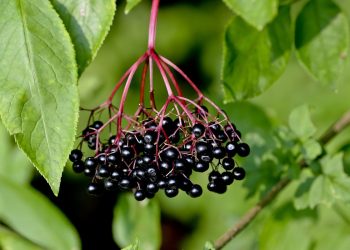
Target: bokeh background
x=191, y=34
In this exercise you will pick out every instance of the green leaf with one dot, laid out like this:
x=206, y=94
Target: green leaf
x=12, y=241
x=209, y=246
x=33, y=216
x=332, y=166
x=130, y=4
x=88, y=23
x=302, y=194
x=255, y=12
x=137, y=220
x=134, y=246
x=15, y=165
x=286, y=229
x=255, y=60
x=39, y=96
x=311, y=149
x=300, y=122
x=322, y=39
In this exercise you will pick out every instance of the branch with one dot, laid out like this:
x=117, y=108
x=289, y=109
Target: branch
x=334, y=130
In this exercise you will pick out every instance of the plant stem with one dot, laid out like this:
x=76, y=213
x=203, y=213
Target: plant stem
x=225, y=238
x=152, y=25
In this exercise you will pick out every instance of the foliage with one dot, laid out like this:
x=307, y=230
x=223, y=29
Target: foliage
x=47, y=46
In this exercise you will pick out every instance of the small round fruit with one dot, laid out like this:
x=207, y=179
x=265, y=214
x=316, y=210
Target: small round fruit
x=140, y=195
x=110, y=185
x=78, y=166
x=94, y=189
x=227, y=178
x=198, y=130
x=170, y=154
x=231, y=149
x=171, y=192
x=214, y=175
x=228, y=163
x=238, y=173
x=90, y=163
x=219, y=152
x=201, y=166
x=195, y=191
x=243, y=149
x=75, y=155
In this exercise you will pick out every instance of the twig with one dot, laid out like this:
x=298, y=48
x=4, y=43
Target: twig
x=335, y=129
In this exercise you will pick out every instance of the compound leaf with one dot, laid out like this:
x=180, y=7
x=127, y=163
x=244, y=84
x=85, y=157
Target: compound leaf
x=255, y=60
x=322, y=39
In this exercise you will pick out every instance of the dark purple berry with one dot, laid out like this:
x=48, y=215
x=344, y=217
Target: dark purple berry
x=89, y=172
x=238, y=173
x=227, y=178
x=214, y=175
x=228, y=163
x=198, y=130
x=195, y=191
x=94, y=189
x=90, y=163
x=219, y=152
x=97, y=125
x=243, y=149
x=140, y=195
x=231, y=149
x=75, y=155
x=110, y=185
x=125, y=184
x=152, y=188
x=201, y=166
x=127, y=153
x=103, y=171
x=170, y=154
x=78, y=166
x=171, y=192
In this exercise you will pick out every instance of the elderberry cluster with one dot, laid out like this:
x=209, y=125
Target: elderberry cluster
x=161, y=153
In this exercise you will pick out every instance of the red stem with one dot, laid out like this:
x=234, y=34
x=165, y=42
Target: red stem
x=152, y=25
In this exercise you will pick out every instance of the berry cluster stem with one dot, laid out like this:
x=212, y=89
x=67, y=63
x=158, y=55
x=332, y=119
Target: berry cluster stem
x=152, y=25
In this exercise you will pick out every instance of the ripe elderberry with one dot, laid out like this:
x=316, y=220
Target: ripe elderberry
x=157, y=147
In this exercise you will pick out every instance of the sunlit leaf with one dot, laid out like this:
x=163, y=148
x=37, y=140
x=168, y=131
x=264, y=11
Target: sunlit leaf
x=254, y=60
x=38, y=76
x=322, y=39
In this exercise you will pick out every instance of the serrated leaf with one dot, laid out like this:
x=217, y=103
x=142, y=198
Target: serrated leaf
x=255, y=60
x=88, y=23
x=33, y=216
x=137, y=220
x=12, y=241
x=39, y=96
x=322, y=39
x=255, y=12
x=14, y=164
x=130, y=4
x=300, y=122
x=311, y=149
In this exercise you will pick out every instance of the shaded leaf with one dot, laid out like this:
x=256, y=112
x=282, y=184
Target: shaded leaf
x=88, y=23
x=33, y=216
x=253, y=62
x=302, y=194
x=130, y=4
x=14, y=164
x=255, y=12
x=322, y=39
x=311, y=149
x=209, y=246
x=135, y=220
x=12, y=241
x=134, y=246
x=39, y=97
x=300, y=122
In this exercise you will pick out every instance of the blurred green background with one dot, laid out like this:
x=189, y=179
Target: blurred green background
x=191, y=34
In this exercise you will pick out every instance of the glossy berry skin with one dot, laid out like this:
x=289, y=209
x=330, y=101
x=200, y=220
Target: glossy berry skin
x=195, y=191
x=203, y=148
x=116, y=175
x=185, y=184
x=231, y=149
x=206, y=158
x=150, y=137
x=170, y=154
x=243, y=149
x=140, y=195
x=110, y=185
x=214, y=175
x=94, y=189
x=152, y=188
x=127, y=153
x=198, y=130
x=124, y=184
x=180, y=165
x=190, y=161
x=113, y=158
x=102, y=158
x=238, y=173
x=219, y=152
x=172, y=182
x=171, y=192
x=201, y=166
x=227, y=178
x=78, y=166
x=90, y=163
x=97, y=125
x=228, y=163
x=89, y=172
x=75, y=155
x=149, y=149
x=103, y=171
x=168, y=124
x=162, y=183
